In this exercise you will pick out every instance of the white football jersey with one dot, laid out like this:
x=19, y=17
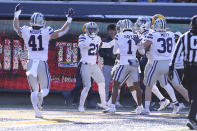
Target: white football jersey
x=37, y=42
x=162, y=45
x=127, y=46
x=89, y=48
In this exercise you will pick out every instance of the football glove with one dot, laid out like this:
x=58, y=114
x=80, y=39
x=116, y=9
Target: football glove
x=71, y=12
x=17, y=11
x=171, y=73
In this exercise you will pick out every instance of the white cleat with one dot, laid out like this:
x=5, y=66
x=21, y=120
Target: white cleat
x=103, y=106
x=38, y=114
x=40, y=100
x=176, y=109
x=139, y=110
x=145, y=112
x=118, y=104
x=81, y=109
x=110, y=110
x=164, y=104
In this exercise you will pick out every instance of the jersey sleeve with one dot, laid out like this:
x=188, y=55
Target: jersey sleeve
x=50, y=30
x=149, y=37
x=24, y=31
x=81, y=41
x=116, y=46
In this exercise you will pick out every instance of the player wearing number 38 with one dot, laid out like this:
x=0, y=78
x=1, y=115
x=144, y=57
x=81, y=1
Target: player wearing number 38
x=36, y=38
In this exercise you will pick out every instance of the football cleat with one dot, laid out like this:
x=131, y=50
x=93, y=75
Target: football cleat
x=110, y=109
x=38, y=114
x=192, y=125
x=118, y=104
x=176, y=108
x=81, y=109
x=164, y=104
x=103, y=106
x=139, y=110
x=145, y=112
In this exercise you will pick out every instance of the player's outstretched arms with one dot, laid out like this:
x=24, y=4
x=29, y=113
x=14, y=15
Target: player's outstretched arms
x=65, y=27
x=16, y=26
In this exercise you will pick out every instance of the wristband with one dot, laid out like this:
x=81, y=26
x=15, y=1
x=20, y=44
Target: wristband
x=69, y=20
x=16, y=14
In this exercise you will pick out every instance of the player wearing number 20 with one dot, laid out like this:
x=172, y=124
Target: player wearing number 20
x=36, y=38
x=89, y=44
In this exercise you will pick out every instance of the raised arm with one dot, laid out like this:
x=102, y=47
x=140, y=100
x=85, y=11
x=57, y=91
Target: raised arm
x=60, y=32
x=16, y=26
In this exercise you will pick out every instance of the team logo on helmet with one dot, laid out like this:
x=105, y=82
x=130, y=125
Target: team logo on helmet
x=127, y=25
x=37, y=19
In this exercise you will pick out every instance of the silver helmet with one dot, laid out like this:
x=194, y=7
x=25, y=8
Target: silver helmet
x=119, y=26
x=143, y=24
x=37, y=19
x=159, y=25
x=127, y=24
x=92, y=29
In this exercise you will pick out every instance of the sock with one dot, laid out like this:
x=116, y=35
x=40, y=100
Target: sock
x=83, y=96
x=34, y=100
x=44, y=92
x=170, y=91
x=134, y=94
x=118, y=97
x=156, y=91
x=101, y=89
x=147, y=105
x=109, y=101
x=113, y=106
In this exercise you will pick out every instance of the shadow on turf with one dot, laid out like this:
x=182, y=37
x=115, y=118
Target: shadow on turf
x=65, y=121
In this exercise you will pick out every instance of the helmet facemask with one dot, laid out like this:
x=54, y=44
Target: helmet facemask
x=92, y=29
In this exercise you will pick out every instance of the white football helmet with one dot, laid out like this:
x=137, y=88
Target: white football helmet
x=37, y=19
x=119, y=26
x=159, y=25
x=92, y=29
x=143, y=24
x=127, y=25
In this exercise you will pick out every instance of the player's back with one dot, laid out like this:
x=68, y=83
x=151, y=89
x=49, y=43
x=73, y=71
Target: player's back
x=162, y=45
x=37, y=42
x=90, y=51
x=127, y=46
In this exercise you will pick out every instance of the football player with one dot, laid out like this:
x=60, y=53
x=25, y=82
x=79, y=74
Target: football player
x=36, y=38
x=144, y=28
x=128, y=64
x=159, y=48
x=89, y=44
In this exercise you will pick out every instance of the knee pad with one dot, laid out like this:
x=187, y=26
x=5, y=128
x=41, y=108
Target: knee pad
x=44, y=92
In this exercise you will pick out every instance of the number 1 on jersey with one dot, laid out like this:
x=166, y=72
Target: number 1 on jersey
x=130, y=45
x=32, y=43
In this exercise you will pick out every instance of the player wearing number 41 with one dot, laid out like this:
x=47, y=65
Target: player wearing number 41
x=36, y=38
x=159, y=46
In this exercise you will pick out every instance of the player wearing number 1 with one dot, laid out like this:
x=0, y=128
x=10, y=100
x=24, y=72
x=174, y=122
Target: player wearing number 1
x=36, y=38
x=126, y=44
